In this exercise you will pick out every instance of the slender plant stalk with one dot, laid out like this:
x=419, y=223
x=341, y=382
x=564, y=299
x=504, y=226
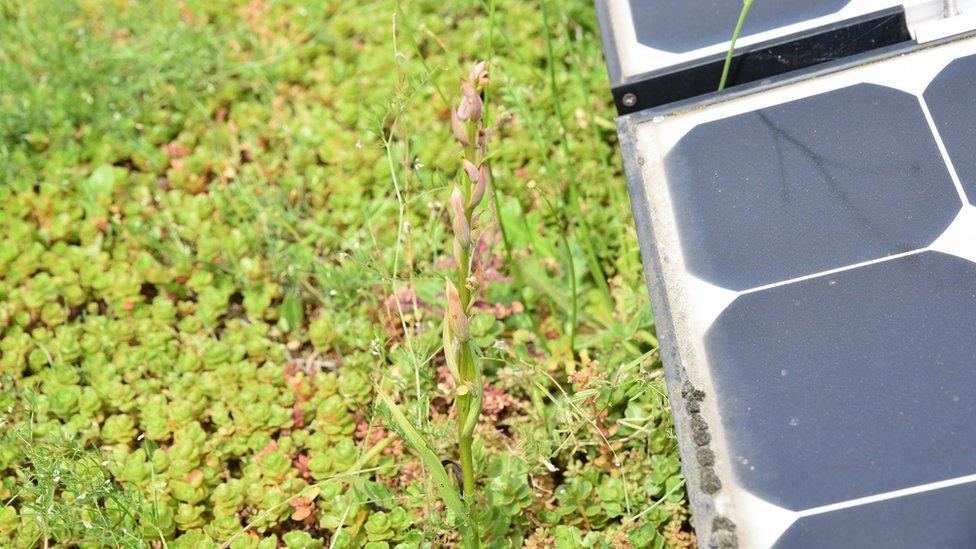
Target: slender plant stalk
x=571, y=272
x=469, y=409
x=496, y=198
x=468, y=127
x=746, y=5
x=540, y=140
x=571, y=195
x=517, y=273
x=461, y=357
x=564, y=243
x=462, y=360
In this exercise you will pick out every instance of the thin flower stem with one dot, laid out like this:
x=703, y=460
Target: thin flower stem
x=564, y=242
x=571, y=274
x=464, y=264
x=448, y=492
x=469, y=409
x=495, y=193
x=571, y=196
x=467, y=465
x=469, y=127
x=517, y=274
x=746, y=4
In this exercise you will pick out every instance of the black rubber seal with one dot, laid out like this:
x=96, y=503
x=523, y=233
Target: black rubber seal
x=766, y=60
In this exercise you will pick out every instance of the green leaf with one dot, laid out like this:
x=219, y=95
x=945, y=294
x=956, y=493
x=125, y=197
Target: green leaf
x=99, y=184
x=291, y=310
x=445, y=485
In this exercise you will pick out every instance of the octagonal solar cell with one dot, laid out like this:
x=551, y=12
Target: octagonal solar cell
x=850, y=384
x=955, y=119
x=807, y=186
x=693, y=24
x=935, y=518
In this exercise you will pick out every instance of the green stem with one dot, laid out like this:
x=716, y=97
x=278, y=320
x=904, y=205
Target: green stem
x=477, y=399
x=592, y=260
x=462, y=277
x=515, y=266
x=376, y=450
x=469, y=409
x=571, y=273
x=574, y=314
x=467, y=465
x=571, y=196
x=746, y=4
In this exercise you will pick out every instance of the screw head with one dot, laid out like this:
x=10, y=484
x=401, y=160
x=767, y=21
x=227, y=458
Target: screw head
x=629, y=100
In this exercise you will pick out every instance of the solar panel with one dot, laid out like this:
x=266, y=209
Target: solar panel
x=810, y=248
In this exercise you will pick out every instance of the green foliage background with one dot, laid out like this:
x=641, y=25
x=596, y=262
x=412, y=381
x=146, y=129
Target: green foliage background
x=222, y=227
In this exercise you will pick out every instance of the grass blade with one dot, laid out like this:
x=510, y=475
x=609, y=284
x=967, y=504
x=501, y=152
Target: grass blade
x=445, y=485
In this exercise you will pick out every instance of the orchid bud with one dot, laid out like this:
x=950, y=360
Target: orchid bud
x=455, y=315
x=471, y=282
x=473, y=174
x=471, y=106
x=480, y=186
x=460, y=131
x=459, y=219
x=479, y=75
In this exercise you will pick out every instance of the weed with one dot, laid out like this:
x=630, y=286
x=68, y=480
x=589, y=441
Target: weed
x=66, y=495
x=460, y=355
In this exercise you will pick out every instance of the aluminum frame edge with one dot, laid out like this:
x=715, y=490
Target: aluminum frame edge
x=703, y=507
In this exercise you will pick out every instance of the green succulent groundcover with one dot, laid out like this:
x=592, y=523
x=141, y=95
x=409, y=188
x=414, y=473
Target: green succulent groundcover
x=222, y=232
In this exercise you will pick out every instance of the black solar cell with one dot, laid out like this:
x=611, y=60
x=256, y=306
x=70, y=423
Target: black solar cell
x=811, y=185
x=686, y=25
x=850, y=384
x=955, y=119
x=939, y=518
